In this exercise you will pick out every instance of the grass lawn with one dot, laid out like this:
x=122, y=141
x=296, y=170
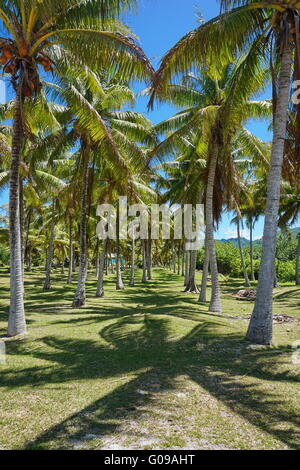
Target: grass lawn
x=146, y=368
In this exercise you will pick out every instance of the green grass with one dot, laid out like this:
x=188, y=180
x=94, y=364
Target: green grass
x=146, y=368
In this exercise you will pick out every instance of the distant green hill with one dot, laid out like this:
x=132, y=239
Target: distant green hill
x=246, y=242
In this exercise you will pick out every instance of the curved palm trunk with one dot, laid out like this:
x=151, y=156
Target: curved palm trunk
x=16, y=319
x=100, y=288
x=144, y=250
x=251, y=251
x=298, y=263
x=47, y=283
x=132, y=272
x=71, y=261
x=215, y=302
x=119, y=284
x=260, y=329
x=202, y=296
x=247, y=282
x=149, y=259
x=79, y=298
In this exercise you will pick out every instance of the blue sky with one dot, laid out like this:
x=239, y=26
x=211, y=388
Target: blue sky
x=159, y=24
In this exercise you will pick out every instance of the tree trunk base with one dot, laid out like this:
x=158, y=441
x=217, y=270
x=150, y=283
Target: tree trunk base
x=256, y=336
x=215, y=307
x=100, y=294
x=77, y=303
x=192, y=288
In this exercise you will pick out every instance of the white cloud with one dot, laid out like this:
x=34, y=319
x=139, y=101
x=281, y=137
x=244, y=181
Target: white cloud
x=232, y=233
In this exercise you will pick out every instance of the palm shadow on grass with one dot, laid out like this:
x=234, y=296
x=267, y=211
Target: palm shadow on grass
x=140, y=339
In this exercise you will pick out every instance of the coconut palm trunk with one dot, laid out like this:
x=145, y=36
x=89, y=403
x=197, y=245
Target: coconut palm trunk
x=149, y=260
x=298, y=262
x=22, y=223
x=63, y=264
x=215, y=302
x=191, y=285
x=112, y=269
x=100, y=288
x=260, y=329
x=132, y=272
x=174, y=260
x=29, y=258
x=47, y=283
x=119, y=283
x=80, y=296
x=144, y=256
x=251, y=251
x=187, y=268
x=71, y=261
x=97, y=260
x=202, y=296
x=106, y=263
x=182, y=263
x=27, y=250
x=238, y=226
x=16, y=319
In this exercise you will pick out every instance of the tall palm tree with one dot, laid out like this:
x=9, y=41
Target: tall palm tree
x=105, y=134
x=78, y=31
x=217, y=110
x=279, y=25
x=266, y=29
x=238, y=222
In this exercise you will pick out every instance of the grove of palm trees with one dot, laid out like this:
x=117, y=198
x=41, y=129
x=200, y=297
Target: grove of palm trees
x=120, y=331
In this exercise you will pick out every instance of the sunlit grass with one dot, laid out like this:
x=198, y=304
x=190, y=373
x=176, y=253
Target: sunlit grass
x=147, y=367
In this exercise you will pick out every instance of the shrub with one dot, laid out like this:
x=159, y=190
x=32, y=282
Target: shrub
x=4, y=255
x=286, y=271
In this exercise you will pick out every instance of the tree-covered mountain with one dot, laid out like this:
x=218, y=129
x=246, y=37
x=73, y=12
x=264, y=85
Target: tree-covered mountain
x=246, y=242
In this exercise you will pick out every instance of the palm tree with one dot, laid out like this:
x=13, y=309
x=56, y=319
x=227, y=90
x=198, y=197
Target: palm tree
x=106, y=136
x=266, y=29
x=251, y=209
x=132, y=271
x=47, y=284
x=81, y=32
x=100, y=289
x=216, y=111
x=144, y=261
x=280, y=25
x=238, y=222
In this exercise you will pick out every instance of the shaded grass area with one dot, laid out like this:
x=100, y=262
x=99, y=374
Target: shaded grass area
x=147, y=367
